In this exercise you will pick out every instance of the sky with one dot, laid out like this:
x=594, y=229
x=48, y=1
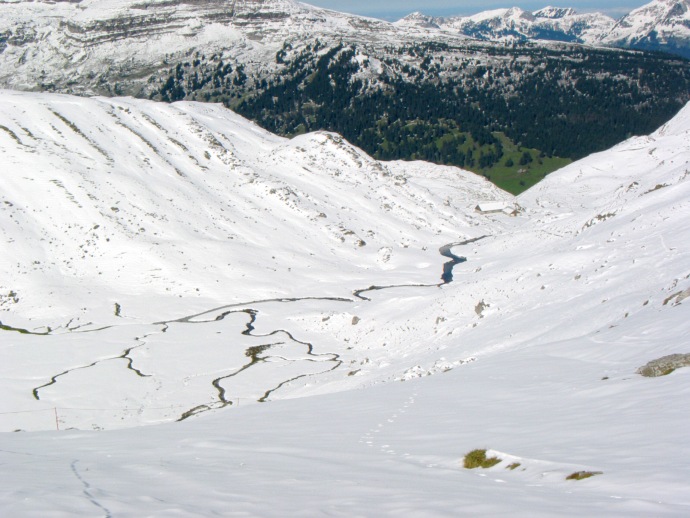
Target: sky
x=396, y=9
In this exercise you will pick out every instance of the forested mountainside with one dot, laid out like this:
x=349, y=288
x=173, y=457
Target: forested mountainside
x=512, y=113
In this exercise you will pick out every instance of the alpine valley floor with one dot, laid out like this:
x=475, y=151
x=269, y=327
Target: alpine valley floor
x=164, y=268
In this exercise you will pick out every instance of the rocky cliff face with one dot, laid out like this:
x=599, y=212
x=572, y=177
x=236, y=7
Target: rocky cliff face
x=115, y=46
x=78, y=46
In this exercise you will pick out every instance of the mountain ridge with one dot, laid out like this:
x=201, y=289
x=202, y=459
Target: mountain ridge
x=661, y=25
x=470, y=103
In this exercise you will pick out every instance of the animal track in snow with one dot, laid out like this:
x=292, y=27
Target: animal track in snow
x=368, y=437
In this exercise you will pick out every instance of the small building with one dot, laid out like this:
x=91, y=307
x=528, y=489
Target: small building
x=497, y=207
x=491, y=207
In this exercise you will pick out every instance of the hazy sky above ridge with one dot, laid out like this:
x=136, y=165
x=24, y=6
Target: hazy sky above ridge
x=396, y=9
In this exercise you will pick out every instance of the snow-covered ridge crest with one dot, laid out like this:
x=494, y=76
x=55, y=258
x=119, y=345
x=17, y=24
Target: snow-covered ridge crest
x=550, y=23
x=660, y=25
x=555, y=12
x=620, y=180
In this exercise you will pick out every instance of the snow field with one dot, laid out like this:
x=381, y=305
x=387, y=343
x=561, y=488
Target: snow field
x=373, y=395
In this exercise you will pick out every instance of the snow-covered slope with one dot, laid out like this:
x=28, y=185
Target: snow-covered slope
x=554, y=12
x=114, y=212
x=110, y=45
x=138, y=198
x=126, y=211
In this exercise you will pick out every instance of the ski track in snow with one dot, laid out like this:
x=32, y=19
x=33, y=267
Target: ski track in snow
x=88, y=490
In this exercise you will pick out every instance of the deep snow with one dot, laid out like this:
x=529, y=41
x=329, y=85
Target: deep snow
x=374, y=396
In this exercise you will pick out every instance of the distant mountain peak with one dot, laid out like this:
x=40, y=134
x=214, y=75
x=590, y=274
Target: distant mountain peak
x=516, y=12
x=555, y=13
x=658, y=25
x=419, y=19
x=659, y=10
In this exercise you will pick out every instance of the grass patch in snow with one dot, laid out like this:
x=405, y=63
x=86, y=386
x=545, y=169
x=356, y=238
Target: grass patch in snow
x=513, y=466
x=581, y=475
x=664, y=366
x=478, y=459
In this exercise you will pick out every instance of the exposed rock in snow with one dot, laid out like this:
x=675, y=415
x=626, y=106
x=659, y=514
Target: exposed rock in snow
x=664, y=366
x=439, y=366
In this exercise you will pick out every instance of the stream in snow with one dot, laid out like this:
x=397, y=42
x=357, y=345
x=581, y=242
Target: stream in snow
x=447, y=275
x=259, y=353
x=277, y=349
x=445, y=251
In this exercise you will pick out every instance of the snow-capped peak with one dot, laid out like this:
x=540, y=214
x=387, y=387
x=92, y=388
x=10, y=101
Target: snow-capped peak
x=661, y=23
x=554, y=13
x=655, y=13
x=562, y=24
x=517, y=13
x=502, y=15
x=418, y=19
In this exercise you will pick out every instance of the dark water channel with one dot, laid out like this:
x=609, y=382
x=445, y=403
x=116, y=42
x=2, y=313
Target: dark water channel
x=447, y=276
x=445, y=251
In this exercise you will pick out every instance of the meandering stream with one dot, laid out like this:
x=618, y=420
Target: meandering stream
x=256, y=354
x=445, y=251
